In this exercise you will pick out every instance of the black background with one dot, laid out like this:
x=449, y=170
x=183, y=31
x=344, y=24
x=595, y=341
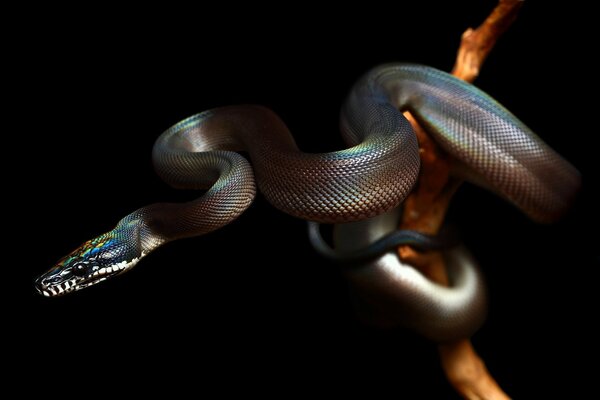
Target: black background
x=250, y=308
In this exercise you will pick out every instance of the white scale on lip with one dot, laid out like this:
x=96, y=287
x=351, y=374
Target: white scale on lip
x=117, y=267
x=69, y=286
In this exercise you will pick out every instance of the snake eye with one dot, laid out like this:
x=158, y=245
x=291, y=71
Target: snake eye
x=79, y=269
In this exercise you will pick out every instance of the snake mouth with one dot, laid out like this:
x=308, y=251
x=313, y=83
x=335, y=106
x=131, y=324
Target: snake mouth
x=68, y=286
x=55, y=289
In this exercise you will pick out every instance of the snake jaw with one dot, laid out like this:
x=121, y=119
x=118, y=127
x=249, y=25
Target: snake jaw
x=54, y=284
x=93, y=262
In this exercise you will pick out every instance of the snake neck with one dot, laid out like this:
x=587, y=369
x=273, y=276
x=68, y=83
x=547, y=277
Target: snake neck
x=145, y=230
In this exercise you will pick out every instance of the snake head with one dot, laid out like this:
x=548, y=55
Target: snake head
x=94, y=261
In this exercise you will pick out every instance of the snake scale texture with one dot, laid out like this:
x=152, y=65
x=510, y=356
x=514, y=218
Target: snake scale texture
x=366, y=182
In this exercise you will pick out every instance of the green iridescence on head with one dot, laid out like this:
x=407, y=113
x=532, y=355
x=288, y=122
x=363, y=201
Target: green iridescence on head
x=90, y=248
x=94, y=261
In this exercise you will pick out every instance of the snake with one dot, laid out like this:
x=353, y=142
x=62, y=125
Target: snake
x=359, y=188
x=359, y=256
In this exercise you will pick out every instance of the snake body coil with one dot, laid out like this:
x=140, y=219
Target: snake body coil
x=373, y=176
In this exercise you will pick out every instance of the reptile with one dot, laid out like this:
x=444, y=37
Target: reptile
x=360, y=186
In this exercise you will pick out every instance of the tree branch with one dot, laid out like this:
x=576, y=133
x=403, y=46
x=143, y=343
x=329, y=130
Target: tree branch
x=426, y=207
x=476, y=44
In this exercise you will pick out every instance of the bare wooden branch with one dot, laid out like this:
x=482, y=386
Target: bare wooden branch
x=467, y=372
x=477, y=43
x=426, y=207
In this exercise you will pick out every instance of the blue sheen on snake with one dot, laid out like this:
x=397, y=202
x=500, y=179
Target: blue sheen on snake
x=365, y=182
